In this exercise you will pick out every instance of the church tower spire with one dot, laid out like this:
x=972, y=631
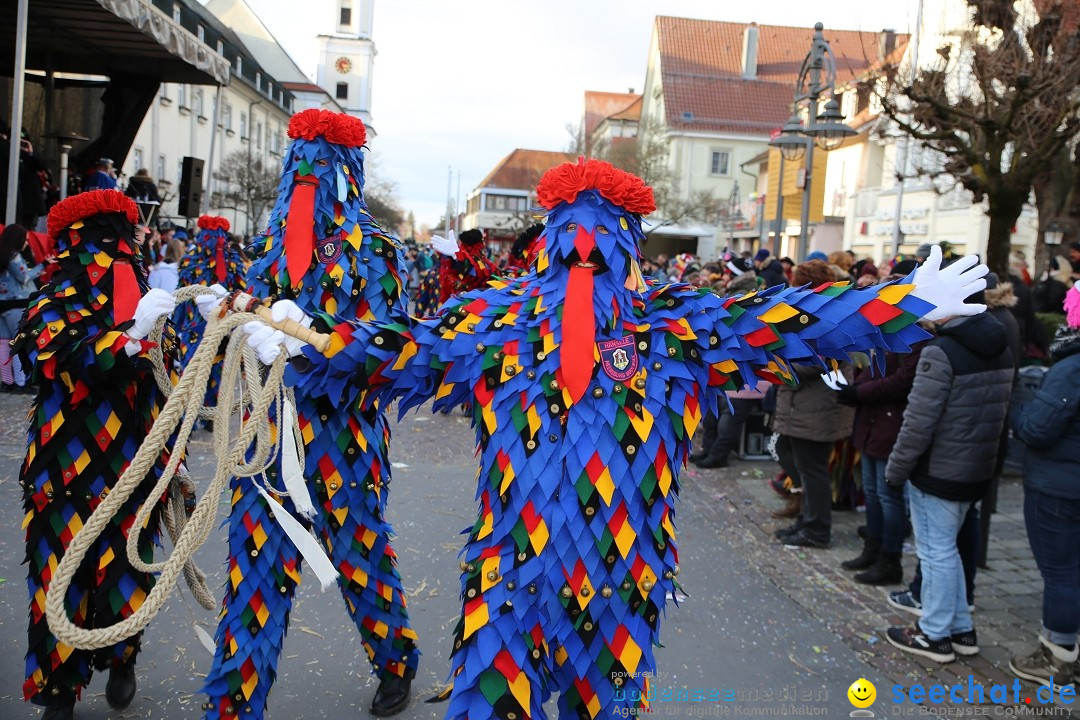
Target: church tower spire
x=347, y=58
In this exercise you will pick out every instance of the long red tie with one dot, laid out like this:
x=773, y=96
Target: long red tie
x=578, y=322
x=300, y=229
x=219, y=261
x=126, y=291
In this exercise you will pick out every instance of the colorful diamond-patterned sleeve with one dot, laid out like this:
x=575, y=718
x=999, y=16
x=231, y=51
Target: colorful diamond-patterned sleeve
x=760, y=335
x=60, y=335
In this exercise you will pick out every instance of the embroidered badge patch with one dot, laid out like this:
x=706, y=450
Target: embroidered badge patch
x=619, y=358
x=328, y=250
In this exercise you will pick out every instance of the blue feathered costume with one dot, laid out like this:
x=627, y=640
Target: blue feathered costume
x=586, y=382
x=322, y=249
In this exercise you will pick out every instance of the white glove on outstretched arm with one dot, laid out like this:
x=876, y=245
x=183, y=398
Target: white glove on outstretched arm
x=834, y=379
x=946, y=288
x=208, y=303
x=152, y=305
x=445, y=245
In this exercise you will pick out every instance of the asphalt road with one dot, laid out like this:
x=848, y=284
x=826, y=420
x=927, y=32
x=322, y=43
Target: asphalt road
x=736, y=633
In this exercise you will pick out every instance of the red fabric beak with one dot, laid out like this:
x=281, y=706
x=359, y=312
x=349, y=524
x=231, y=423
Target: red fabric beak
x=126, y=291
x=219, y=261
x=578, y=321
x=300, y=229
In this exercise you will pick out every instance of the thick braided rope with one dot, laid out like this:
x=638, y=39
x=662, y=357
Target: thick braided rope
x=186, y=395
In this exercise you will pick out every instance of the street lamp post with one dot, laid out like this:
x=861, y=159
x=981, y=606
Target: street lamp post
x=827, y=130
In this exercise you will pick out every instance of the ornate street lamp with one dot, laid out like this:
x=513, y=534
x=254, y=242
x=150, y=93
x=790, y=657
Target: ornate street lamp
x=1053, y=234
x=817, y=76
x=791, y=142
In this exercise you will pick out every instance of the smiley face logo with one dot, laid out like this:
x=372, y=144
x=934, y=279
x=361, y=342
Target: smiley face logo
x=862, y=692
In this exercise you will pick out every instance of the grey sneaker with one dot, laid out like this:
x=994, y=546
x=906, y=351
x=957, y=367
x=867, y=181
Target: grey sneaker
x=902, y=600
x=1044, y=667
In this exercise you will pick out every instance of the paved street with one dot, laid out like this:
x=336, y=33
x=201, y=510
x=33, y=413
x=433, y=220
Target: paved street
x=775, y=626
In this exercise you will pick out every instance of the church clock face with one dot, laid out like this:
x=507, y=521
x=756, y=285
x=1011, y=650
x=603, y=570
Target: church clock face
x=343, y=65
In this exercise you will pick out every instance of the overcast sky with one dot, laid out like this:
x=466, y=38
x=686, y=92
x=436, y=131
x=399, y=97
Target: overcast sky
x=461, y=84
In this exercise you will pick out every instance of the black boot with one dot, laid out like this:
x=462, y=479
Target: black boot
x=698, y=455
x=886, y=571
x=870, y=550
x=709, y=461
x=60, y=706
x=120, y=689
x=392, y=695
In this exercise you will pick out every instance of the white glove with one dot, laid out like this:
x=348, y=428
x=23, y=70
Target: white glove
x=151, y=306
x=834, y=379
x=288, y=310
x=265, y=340
x=133, y=347
x=946, y=289
x=445, y=245
x=207, y=304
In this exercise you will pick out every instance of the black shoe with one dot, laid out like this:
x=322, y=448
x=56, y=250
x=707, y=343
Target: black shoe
x=801, y=539
x=698, y=455
x=60, y=707
x=869, y=555
x=27, y=389
x=914, y=641
x=120, y=689
x=791, y=529
x=965, y=643
x=886, y=571
x=861, y=532
x=392, y=696
x=711, y=462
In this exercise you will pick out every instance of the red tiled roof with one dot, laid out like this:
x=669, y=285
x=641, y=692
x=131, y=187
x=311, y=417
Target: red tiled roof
x=521, y=169
x=632, y=112
x=701, y=71
x=601, y=105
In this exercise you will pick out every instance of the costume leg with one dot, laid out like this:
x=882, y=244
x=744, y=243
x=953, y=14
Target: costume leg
x=348, y=471
x=51, y=666
x=613, y=671
x=501, y=669
x=264, y=570
x=120, y=589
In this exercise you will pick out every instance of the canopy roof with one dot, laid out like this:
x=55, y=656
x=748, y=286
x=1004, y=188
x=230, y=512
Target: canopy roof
x=109, y=37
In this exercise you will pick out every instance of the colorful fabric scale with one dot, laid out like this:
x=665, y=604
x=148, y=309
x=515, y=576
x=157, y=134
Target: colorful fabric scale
x=212, y=259
x=567, y=571
x=350, y=268
x=94, y=406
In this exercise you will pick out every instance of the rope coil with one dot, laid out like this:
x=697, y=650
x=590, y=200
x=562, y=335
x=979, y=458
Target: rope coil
x=241, y=372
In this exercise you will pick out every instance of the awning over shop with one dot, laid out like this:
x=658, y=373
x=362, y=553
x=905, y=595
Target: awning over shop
x=109, y=37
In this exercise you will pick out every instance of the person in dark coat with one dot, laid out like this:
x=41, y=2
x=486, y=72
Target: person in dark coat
x=1050, y=428
x=769, y=269
x=879, y=399
x=1049, y=292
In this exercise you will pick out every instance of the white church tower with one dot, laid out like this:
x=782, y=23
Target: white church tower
x=347, y=58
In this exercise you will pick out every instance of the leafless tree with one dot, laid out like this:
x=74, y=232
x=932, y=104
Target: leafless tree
x=998, y=106
x=248, y=186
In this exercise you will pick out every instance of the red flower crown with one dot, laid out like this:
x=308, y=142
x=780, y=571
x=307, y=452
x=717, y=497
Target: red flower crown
x=93, y=202
x=338, y=128
x=564, y=182
x=213, y=222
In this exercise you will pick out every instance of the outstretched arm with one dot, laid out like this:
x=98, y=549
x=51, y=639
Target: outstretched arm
x=763, y=334
x=366, y=361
